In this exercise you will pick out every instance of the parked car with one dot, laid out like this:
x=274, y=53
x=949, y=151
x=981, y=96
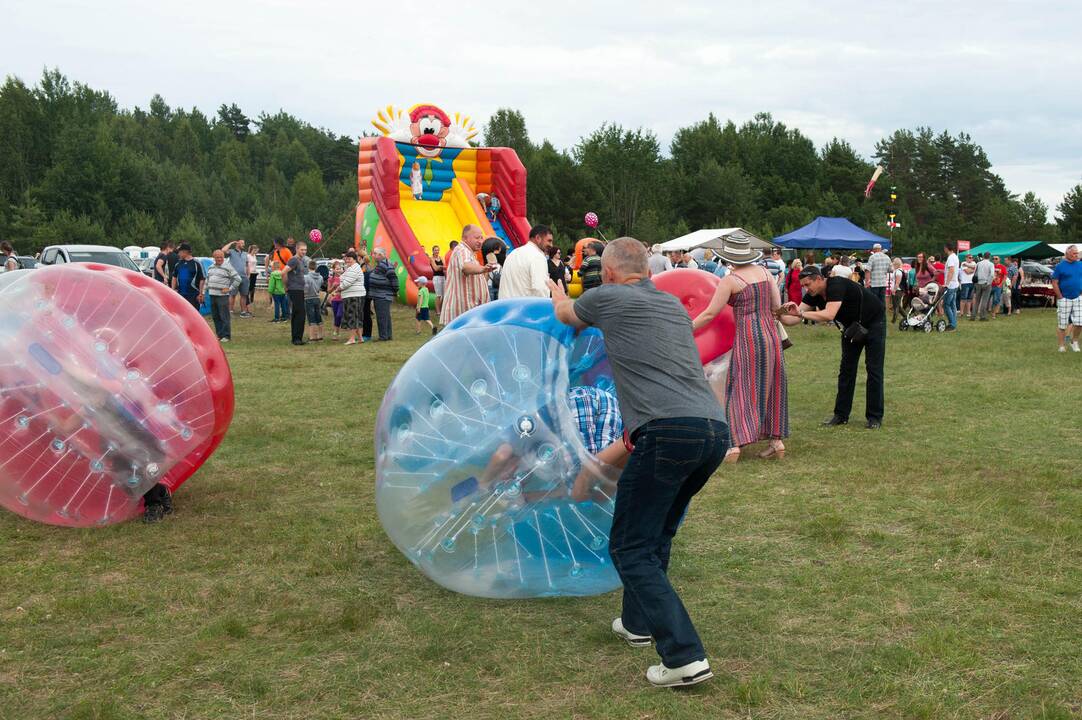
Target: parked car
x=1037, y=286
x=26, y=262
x=146, y=266
x=261, y=270
x=104, y=254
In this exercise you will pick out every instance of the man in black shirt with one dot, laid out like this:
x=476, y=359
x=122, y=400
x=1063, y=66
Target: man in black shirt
x=844, y=302
x=165, y=263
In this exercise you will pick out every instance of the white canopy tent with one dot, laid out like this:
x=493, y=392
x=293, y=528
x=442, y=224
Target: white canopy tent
x=714, y=239
x=1061, y=248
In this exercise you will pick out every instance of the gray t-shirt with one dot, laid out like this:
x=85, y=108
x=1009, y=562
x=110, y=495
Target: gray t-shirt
x=654, y=359
x=239, y=260
x=298, y=268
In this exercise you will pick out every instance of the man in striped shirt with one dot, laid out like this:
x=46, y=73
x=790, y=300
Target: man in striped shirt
x=222, y=279
x=466, y=285
x=879, y=269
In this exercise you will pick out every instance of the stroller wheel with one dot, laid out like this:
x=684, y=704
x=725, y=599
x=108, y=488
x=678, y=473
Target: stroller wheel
x=941, y=326
x=903, y=326
x=927, y=327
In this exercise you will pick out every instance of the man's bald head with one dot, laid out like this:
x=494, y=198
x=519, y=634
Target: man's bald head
x=624, y=258
x=473, y=236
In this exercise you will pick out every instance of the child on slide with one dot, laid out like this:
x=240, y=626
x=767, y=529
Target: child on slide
x=416, y=185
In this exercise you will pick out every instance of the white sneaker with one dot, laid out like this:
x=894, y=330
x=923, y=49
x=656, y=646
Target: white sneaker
x=629, y=637
x=1062, y=348
x=1074, y=347
x=691, y=674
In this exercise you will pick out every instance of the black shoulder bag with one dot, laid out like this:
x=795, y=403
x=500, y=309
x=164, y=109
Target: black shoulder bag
x=855, y=332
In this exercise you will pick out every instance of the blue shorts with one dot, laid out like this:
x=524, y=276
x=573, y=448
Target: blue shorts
x=422, y=314
x=966, y=292
x=311, y=307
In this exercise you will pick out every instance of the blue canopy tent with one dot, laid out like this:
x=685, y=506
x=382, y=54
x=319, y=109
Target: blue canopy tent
x=826, y=233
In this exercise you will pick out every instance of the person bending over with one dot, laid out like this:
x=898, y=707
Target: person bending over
x=862, y=318
x=679, y=440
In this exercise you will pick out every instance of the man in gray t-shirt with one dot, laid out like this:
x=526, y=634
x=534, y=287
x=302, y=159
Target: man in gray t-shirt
x=293, y=274
x=238, y=258
x=679, y=436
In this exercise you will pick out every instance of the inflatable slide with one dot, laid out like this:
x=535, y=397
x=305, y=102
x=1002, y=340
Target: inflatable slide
x=418, y=185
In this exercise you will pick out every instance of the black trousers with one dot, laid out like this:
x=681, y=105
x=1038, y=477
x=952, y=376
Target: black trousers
x=874, y=347
x=366, y=318
x=383, y=317
x=251, y=287
x=296, y=318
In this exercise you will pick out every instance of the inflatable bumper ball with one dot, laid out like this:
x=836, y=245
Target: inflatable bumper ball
x=109, y=384
x=479, y=444
x=694, y=289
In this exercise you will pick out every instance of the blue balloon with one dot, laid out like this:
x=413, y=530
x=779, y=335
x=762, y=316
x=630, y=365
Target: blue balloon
x=478, y=443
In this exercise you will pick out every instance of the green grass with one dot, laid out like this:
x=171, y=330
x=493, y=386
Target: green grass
x=929, y=570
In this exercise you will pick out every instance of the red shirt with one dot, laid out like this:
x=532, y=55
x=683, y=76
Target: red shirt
x=1001, y=273
x=940, y=272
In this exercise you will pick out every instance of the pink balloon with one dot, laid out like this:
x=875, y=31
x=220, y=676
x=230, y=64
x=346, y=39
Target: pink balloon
x=591, y=219
x=315, y=236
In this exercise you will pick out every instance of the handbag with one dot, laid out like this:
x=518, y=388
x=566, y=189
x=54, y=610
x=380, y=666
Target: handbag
x=855, y=332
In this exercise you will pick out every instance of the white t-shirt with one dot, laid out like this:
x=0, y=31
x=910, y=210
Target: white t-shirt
x=952, y=262
x=525, y=273
x=967, y=270
x=842, y=271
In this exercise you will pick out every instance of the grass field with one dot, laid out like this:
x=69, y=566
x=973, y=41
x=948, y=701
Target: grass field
x=932, y=569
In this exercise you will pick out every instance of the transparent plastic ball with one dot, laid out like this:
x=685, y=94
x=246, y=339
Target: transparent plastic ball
x=109, y=384
x=478, y=446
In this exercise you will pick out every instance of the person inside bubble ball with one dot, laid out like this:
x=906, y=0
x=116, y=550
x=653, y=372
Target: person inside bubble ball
x=596, y=413
x=679, y=440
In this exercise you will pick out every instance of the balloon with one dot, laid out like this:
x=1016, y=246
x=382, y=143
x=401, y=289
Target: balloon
x=109, y=384
x=477, y=446
x=694, y=289
x=591, y=220
x=315, y=236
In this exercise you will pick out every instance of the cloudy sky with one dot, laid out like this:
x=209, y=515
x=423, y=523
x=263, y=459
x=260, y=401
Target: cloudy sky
x=1001, y=70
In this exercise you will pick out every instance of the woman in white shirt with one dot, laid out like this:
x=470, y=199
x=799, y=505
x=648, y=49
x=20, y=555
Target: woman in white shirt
x=894, y=288
x=351, y=288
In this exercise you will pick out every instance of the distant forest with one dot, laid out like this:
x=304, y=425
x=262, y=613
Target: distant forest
x=76, y=168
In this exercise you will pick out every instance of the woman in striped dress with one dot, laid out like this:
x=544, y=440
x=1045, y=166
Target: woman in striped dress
x=757, y=402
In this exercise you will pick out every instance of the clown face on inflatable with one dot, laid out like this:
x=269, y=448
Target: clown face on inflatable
x=427, y=127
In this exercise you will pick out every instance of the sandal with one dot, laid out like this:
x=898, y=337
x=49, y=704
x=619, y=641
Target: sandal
x=776, y=451
x=731, y=456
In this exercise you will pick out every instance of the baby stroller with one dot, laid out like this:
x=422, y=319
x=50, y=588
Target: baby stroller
x=920, y=315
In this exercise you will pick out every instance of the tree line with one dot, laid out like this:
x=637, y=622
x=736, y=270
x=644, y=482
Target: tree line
x=76, y=168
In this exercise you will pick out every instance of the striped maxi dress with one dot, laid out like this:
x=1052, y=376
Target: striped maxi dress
x=756, y=392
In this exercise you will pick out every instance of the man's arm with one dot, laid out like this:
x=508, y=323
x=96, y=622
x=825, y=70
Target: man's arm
x=472, y=267
x=794, y=314
x=564, y=307
x=1055, y=289
x=159, y=267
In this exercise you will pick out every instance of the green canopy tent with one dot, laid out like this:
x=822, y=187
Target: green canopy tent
x=1029, y=250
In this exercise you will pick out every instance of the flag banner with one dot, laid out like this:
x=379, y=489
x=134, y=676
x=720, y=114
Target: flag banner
x=871, y=183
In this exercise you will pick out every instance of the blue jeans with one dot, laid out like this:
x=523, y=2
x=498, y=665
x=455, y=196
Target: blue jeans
x=281, y=307
x=950, y=306
x=671, y=462
x=997, y=299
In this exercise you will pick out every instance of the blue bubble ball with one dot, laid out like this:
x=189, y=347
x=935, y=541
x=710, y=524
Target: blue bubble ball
x=477, y=448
